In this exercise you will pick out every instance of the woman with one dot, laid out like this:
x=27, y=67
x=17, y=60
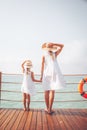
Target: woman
x=51, y=76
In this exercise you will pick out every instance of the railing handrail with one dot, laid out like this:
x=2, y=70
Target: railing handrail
x=76, y=74
x=43, y=100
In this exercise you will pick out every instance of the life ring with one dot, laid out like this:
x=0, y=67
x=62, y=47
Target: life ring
x=80, y=87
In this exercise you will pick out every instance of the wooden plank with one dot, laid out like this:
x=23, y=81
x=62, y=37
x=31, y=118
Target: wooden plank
x=73, y=120
x=7, y=120
x=83, y=119
x=68, y=119
x=39, y=125
x=61, y=124
x=84, y=114
x=22, y=121
x=3, y=112
x=77, y=118
x=85, y=111
x=0, y=84
x=67, y=122
x=44, y=120
x=28, y=121
x=14, y=117
x=50, y=122
x=74, y=114
x=61, y=120
x=17, y=120
x=56, y=121
x=34, y=120
x=4, y=115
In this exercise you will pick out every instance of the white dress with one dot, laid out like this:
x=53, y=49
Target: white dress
x=28, y=85
x=52, y=76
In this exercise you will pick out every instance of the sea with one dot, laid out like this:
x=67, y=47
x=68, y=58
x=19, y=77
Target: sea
x=69, y=97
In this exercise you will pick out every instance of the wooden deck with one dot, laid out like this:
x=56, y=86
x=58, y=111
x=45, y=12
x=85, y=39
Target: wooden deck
x=37, y=119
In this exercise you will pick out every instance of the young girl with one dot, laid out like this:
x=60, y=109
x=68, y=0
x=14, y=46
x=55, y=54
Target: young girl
x=51, y=76
x=28, y=87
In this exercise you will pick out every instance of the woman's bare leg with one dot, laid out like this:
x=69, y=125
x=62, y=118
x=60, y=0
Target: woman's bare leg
x=51, y=100
x=47, y=99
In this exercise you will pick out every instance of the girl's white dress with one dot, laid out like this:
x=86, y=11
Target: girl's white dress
x=28, y=85
x=52, y=76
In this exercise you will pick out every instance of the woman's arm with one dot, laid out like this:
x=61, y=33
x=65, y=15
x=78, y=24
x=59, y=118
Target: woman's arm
x=42, y=67
x=60, y=46
x=56, y=45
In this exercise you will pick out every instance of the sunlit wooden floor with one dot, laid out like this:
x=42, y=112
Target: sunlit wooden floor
x=38, y=119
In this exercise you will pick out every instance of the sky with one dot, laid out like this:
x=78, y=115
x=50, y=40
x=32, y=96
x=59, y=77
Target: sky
x=26, y=24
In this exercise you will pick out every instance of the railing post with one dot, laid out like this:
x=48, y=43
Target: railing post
x=0, y=85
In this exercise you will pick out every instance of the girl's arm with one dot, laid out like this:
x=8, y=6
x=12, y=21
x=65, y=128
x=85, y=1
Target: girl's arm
x=33, y=78
x=23, y=64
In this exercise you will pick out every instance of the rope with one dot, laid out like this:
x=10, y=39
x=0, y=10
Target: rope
x=43, y=100
x=39, y=91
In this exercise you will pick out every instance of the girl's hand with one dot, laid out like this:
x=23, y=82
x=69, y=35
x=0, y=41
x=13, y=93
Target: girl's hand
x=41, y=79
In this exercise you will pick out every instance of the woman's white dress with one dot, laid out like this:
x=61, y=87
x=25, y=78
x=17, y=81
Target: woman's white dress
x=52, y=76
x=28, y=85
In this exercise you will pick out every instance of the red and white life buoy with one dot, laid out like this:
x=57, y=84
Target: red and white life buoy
x=80, y=87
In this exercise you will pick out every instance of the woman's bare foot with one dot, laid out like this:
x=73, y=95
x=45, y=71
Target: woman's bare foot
x=24, y=109
x=50, y=111
x=28, y=109
x=46, y=110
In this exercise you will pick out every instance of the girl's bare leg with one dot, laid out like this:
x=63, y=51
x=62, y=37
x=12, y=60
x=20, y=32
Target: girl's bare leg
x=28, y=102
x=51, y=100
x=47, y=100
x=24, y=101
